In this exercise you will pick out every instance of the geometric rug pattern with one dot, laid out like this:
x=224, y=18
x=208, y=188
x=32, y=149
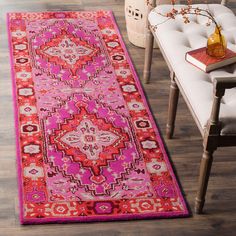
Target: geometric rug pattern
x=88, y=148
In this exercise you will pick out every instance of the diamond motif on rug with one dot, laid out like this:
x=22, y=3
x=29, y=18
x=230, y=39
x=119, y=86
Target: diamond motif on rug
x=68, y=51
x=89, y=139
x=92, y=139
x=63, y=48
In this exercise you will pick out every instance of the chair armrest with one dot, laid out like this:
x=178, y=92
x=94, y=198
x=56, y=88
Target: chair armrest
x=219, y=85
x=222, y=83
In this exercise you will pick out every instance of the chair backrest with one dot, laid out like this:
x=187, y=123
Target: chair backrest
x=153, y=3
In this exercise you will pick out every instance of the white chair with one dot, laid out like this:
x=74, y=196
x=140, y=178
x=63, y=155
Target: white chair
x=211, y=97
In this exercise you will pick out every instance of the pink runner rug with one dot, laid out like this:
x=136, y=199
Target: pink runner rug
x=88, y=148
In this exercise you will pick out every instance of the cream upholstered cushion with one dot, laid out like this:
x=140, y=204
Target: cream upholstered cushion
x=177, y=38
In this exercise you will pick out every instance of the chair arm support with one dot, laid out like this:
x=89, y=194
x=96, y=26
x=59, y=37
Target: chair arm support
x=222, y=83
x=212, y=132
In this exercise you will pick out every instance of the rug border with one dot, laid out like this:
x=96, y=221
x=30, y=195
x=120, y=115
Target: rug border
x=156, y=215
x=16, y=123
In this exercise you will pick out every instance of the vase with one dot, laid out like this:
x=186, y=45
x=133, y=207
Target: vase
x=216, y=44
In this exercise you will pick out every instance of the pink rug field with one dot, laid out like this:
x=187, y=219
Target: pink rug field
x=88, y=148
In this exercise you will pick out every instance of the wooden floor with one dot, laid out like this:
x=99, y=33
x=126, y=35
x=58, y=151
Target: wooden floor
x=185, y=149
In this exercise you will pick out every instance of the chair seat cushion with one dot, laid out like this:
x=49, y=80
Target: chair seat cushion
x=176, y=38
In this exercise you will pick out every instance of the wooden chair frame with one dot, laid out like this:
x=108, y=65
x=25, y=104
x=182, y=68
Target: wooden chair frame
x=211, y=134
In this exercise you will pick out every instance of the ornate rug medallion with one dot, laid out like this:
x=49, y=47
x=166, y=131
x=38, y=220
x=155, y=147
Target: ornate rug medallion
x=88, y=148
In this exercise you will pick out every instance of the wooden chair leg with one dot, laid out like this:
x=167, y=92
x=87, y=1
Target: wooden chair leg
x=173, y=102
x=148, y=56
x=205, y=169
x=210, y=144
